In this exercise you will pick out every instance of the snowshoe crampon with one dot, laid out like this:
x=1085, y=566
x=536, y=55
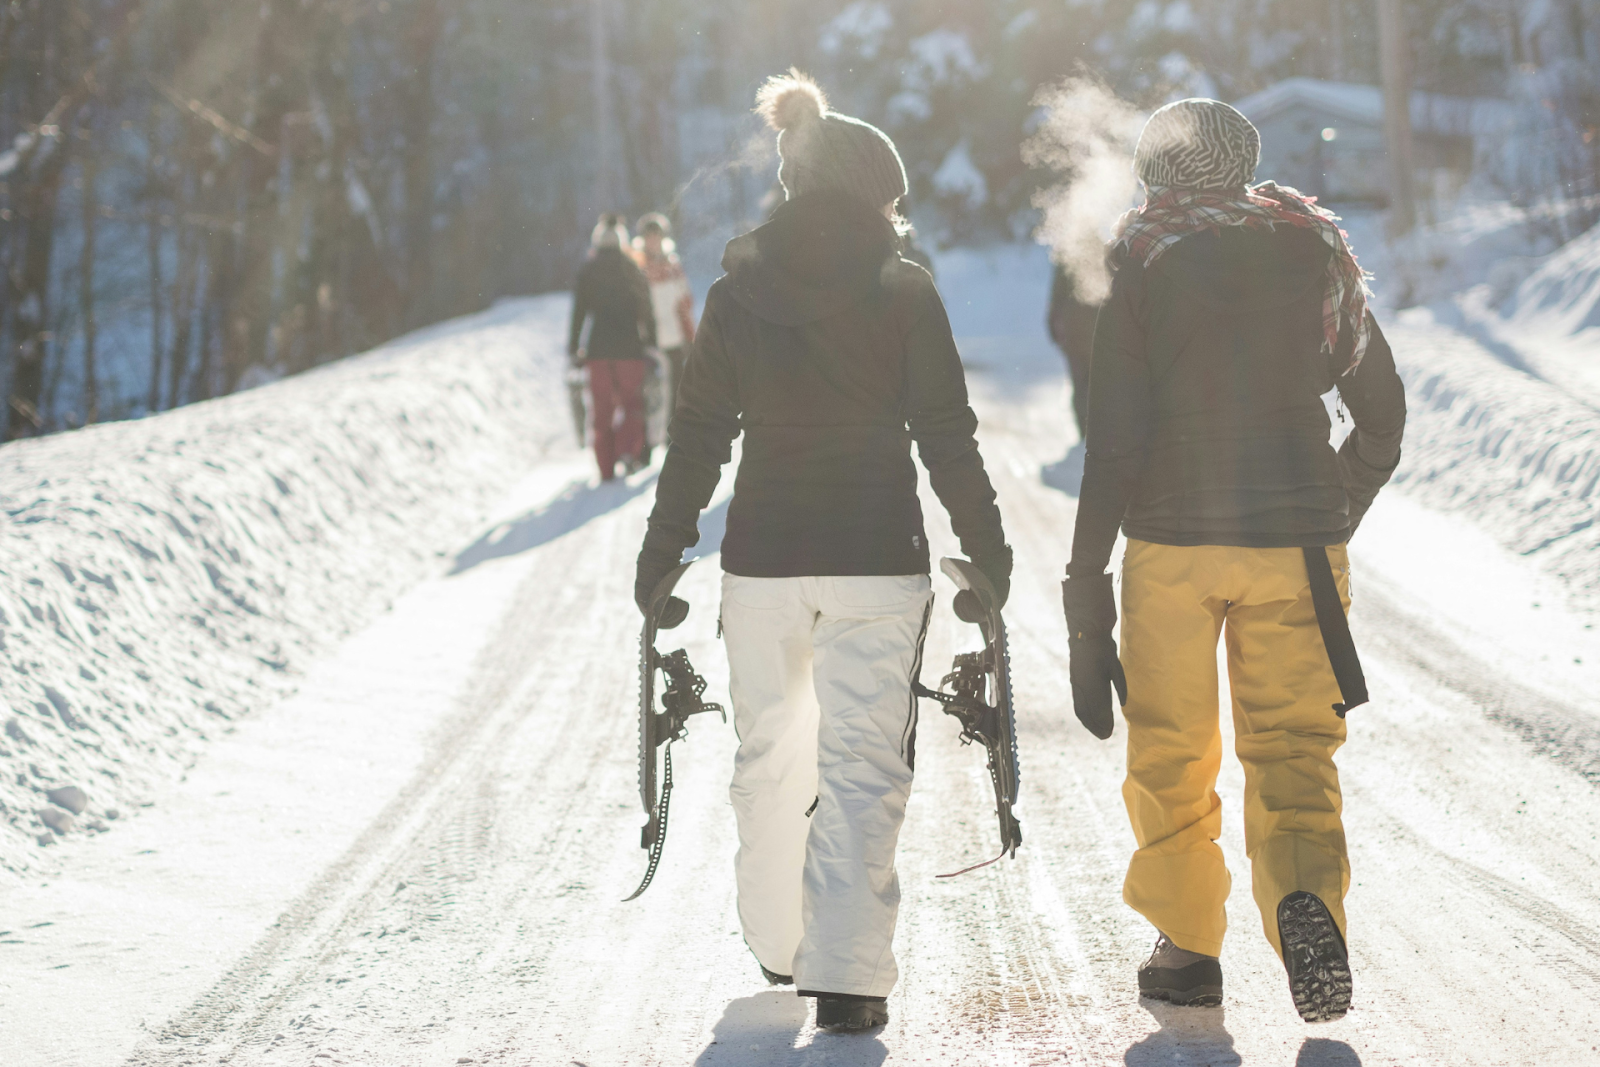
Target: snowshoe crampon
x=680, y=698
x=977, y=691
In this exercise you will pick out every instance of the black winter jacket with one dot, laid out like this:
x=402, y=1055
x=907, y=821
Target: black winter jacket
x=831, y=354
x=612, y=289
x=1206, y=423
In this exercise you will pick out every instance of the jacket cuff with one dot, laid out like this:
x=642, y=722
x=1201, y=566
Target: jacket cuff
x=1089, y=604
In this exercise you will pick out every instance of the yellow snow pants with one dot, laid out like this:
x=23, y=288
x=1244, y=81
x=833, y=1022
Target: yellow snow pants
x=1176, y=602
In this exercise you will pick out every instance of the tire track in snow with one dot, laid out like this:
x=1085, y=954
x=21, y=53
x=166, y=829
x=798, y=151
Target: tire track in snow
x=1562, y=732
x=429, y=810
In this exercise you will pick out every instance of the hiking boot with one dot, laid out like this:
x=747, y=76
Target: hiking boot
x=773, y=977
x=1315, y=956
x=1181, y=977
x=845, y=1011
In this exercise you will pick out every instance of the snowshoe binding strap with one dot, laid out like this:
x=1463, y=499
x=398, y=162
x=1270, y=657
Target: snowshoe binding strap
x=975, y=679
x=980, y=723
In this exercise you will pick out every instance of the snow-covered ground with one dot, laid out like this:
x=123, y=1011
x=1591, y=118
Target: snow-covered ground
x=159, y=579
x=419, y=857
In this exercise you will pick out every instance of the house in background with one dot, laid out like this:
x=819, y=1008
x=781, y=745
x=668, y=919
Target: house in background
x=1326, y=138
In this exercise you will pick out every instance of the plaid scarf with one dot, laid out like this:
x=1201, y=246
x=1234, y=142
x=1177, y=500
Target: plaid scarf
x=1171, y=214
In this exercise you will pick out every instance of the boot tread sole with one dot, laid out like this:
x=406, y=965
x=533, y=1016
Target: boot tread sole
x=1314, y=954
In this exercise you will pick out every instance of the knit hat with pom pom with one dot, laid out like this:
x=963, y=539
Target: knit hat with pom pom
x=822, y=149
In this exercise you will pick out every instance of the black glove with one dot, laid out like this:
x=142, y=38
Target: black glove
x=654, y=566
x=996, y=566
x=1091, y=610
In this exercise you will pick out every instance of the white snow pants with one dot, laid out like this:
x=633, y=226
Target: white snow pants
x=820, y=672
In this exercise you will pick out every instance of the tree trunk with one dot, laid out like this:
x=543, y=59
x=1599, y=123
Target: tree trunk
x=182, y=304
x=246, y=331
x=153, y=258
x=1336, y=39
x=35, y=186
x=605, y=182
x=29, y=287
x=417, y=106
x=91, y=211
x=1395, y=64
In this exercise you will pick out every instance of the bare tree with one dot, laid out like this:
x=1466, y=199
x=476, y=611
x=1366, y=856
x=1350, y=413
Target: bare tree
x=35, y=187
x=416, y=129
x=1395, y=63
x=152, y=246
x=88, y=171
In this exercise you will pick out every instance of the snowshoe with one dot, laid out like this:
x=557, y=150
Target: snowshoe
x=1315, y=956
x=979, y=696
x=658, y=729
x=843, y=1012
x=1181, y=977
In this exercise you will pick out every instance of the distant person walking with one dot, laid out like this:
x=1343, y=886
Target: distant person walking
x=671, y=298
x=1071, y=323
x=832, y=355
x=1233, y=309
x=613, y=297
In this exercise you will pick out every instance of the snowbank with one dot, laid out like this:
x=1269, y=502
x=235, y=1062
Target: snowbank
x=160, y=578
x=1488, y=439
x=1563, y=295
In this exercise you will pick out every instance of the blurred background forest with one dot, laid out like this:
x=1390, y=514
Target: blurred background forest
x=200, y=195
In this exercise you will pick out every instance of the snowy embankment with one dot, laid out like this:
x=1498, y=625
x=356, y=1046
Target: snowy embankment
x=1504, y=425
x=160, y=578
x=1502, y=446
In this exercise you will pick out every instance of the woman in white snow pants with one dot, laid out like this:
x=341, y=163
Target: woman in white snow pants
x=830, y=354
x=821, y=671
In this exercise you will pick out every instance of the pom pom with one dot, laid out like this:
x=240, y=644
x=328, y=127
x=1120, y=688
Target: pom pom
x=787, y=100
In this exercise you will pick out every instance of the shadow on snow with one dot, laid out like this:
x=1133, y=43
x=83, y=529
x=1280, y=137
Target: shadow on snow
x=1199, y=1037
x=581, y=503
x=761, y=1029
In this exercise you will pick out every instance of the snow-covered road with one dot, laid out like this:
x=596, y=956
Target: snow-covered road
x=420, y=859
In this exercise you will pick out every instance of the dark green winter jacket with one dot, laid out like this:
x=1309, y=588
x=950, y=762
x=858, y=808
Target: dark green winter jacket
x=831, y=354
x=1206, y=419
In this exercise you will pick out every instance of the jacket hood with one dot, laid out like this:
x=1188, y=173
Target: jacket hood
x=1246, y=268
x=819, y=254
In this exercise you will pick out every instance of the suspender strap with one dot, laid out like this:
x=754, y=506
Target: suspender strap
x=1335, y=631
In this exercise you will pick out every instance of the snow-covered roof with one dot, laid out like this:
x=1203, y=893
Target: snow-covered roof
x=1435, y=113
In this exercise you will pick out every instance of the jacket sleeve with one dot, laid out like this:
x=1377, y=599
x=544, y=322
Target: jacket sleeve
x=704, y=425
x=647, y=309
x=943, y=425
x=1377, y=401
x=1120, y=418
x=684, y=307
x=580, y=311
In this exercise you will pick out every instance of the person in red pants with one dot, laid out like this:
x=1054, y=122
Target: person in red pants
x=617, y=386
x=613, y=297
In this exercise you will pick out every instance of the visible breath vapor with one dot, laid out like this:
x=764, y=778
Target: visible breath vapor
x=1087, y=138
x=755, y=153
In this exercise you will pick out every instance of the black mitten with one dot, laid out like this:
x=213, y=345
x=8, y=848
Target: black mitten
x=996, y=566
x=1091, y=610
x=652, y=567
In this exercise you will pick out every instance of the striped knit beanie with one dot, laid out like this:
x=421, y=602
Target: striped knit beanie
x=822, y=149
x=1197, y=144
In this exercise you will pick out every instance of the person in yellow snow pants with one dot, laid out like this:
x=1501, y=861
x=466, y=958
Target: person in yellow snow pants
x=1177, y=602
x=1234, y=309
